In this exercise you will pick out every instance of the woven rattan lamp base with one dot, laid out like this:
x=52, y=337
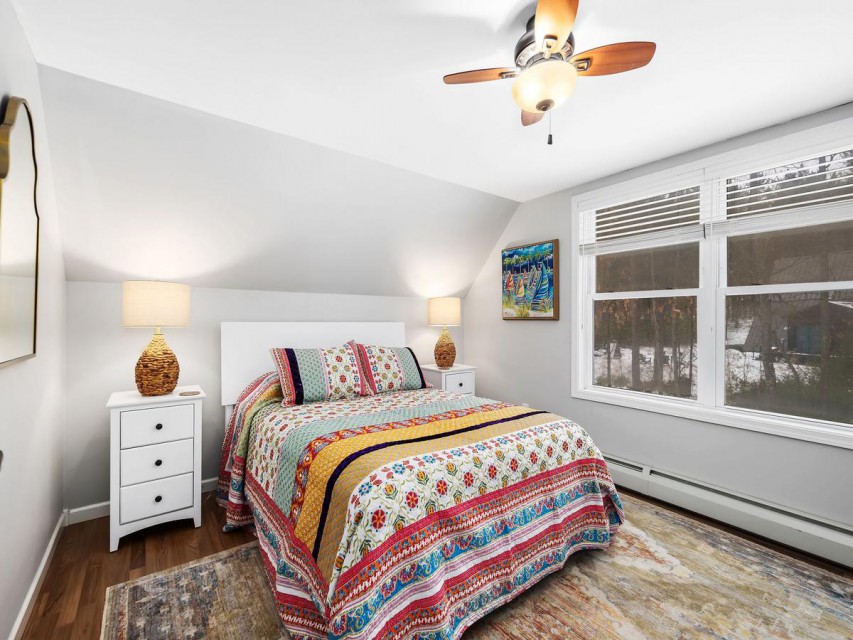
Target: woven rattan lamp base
x=445, y=350
x=157, y=369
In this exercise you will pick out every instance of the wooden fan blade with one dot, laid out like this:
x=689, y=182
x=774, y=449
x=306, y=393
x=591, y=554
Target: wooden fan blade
x=614, y=58
x=481, y=75
x=553, y=24
x=528, y=118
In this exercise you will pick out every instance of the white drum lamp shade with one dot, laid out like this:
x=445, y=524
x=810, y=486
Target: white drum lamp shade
x=444, y=312
x=147, y=303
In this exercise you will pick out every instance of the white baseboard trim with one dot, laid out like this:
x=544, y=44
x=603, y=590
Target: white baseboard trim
x=102, y=509
x=89, y=512
x=818, y=536
x=30, y=599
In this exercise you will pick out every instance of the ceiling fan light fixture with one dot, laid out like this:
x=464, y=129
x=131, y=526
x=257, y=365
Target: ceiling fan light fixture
x=545, y=85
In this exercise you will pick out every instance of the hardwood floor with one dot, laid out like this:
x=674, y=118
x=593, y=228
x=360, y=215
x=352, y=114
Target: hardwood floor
x=71, y=599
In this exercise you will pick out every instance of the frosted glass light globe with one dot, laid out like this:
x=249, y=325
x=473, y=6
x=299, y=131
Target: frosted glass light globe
x=545, y=85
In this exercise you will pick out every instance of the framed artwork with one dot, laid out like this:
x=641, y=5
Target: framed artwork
x=530, y=281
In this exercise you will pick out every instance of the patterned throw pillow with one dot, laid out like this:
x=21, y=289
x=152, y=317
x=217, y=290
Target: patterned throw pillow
x=390, y=368
x=315, y=375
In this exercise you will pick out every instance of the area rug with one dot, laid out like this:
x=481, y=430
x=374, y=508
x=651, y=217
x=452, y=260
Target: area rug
x=665, y=576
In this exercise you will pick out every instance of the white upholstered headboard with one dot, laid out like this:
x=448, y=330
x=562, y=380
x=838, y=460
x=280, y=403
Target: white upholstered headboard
x=246, y=346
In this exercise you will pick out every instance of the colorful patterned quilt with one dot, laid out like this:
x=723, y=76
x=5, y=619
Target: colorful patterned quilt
x=409, y=514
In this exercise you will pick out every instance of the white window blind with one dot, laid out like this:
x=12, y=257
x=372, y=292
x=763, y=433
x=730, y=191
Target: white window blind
x=808, y=191
x=822, y=180
x=673, y=214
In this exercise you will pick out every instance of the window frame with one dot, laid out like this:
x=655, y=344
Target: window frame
x=710, y=174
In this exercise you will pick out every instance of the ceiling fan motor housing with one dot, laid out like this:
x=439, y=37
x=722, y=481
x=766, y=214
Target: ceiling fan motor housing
x=525, y=50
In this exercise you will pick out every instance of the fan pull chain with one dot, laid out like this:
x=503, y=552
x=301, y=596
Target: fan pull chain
x=550, y=137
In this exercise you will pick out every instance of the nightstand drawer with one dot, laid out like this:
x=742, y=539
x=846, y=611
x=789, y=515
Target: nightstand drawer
x=152, y=426
x=153, y=498
x=156, y=461
x=459, y=382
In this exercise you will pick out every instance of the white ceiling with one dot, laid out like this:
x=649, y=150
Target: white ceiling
x=365, y=77
x=148, y=189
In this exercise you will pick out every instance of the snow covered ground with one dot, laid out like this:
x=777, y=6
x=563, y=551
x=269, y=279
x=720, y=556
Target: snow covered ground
x=737, y=333
x=746, y=367
x=740, y=367
x=620, y=367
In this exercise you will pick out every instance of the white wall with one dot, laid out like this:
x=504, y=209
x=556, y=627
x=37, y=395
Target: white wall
x=17, y=306
x=154, y=190
x=531, y=362
x=102, y=356
x=32, y=391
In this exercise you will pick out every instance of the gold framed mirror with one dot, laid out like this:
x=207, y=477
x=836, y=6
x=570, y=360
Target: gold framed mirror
x=19, y=232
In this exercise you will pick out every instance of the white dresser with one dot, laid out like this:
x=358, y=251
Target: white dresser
x=155, y=459
x=458, y=378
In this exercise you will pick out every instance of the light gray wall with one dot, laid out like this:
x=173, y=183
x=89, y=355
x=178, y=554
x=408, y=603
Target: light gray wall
x=102, y=356
x=531, y=362
x=153, y=190
x=31, y=392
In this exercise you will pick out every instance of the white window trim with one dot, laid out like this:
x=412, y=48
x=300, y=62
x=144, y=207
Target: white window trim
x=816, y=431
x=709, y=405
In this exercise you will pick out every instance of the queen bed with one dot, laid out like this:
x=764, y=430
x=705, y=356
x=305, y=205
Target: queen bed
x=397, y=513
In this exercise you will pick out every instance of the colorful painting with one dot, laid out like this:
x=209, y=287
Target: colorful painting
x=530, y=281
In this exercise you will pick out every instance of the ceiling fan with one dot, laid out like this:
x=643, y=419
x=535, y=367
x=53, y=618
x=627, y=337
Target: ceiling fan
x=546, y=65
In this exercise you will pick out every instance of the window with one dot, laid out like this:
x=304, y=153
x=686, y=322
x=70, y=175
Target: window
x=646, y=344
x=724, y=298
x=791, y=353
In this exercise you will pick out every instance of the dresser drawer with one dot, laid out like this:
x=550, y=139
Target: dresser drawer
x=153, y=498
x=462, y=382
x=156, y=461
x=160, y=424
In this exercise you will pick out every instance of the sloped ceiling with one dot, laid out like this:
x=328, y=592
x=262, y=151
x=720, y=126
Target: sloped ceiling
x=153, y=190
x=313, y=147
x=365, y=77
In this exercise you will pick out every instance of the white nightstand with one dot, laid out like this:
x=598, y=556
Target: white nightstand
x=458, y=378
x=155, y=460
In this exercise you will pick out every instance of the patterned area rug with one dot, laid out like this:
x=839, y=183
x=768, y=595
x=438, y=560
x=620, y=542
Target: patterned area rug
x=666, y=576
x=223, y=596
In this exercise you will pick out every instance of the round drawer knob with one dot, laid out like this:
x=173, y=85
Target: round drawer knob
x=460, y=384
x=157, y=463
x=158, y=498
x=158, y=426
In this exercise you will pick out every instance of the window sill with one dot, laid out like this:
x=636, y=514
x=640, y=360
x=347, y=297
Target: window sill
x=816, y=431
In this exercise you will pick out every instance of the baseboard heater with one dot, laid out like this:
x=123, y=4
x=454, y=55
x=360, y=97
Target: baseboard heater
x=611, y=461
x=821, y=537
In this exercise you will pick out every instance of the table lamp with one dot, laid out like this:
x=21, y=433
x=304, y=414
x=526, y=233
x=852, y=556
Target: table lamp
x=444, y=312
x=156, y=304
